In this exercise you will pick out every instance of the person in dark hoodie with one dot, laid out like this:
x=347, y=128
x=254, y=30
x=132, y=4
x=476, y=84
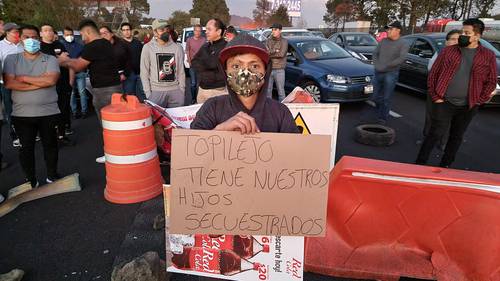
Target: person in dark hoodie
x=245, y=62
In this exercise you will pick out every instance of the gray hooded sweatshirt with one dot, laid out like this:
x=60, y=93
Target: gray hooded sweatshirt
x=162, y=67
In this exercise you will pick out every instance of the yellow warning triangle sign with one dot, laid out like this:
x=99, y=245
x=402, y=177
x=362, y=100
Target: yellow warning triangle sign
x=301, y=124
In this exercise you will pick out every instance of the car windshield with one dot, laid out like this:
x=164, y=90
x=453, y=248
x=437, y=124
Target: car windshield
x=441, y=43
x=360, y=40
x=321, y=50
x=297, y=33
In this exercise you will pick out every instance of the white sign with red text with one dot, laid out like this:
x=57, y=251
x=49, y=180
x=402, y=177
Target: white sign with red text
x=238, y=257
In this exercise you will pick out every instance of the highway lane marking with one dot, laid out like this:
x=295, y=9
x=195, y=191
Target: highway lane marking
x=391, y=113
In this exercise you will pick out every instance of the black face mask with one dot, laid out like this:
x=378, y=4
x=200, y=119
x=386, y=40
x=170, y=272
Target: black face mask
x=164, y=37
x=463, y=40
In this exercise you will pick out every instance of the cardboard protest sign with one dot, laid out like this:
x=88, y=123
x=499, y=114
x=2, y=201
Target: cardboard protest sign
x=311, y=118
x=234, y=257
x=263, y=184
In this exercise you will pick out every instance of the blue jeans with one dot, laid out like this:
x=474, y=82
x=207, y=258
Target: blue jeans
x=7, y=105
x=277, y=75
x=80, y=83
x=194, y=84
x=133, y=85
x=383, y=88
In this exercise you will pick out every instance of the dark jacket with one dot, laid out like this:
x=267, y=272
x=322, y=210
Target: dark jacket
x=277, y=51
x=483, y=77
x=270, y=115
x=135, y=47
x=123, y=56
x=206, y=65
x=63, y=85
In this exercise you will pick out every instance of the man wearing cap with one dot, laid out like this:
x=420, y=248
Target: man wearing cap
x=387, y=58
x=247, y=108
x=162, y=68
x=211, y=78
x=9, y=45
x=277, y=47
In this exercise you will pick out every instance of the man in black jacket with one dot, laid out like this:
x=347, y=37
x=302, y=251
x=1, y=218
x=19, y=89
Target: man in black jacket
x=206, y=64
x=133, y=83
x=64, y=85
x=122, y=54
x=247, y=108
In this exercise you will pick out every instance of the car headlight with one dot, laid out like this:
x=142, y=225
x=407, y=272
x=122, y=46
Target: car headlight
x=337, y=79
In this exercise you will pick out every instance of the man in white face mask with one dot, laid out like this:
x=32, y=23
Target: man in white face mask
x=75, y=49
x=32, y=77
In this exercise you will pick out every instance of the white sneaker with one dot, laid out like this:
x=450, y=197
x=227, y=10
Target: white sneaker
x=1, y=198
x=16, y=143
x=101, y=160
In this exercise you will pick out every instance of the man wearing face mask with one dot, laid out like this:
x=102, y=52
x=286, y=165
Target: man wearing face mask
x=247, y=108
x=9, y=45
x=462, y=78
x=98, y=57
x=211, y=78
x=162, y=68
x=32, y=76
x=79, y=79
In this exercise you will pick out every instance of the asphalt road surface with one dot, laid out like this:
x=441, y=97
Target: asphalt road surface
x=79, y=236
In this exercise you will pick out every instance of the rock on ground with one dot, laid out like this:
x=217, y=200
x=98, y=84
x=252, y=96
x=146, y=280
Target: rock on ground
x=148, y=267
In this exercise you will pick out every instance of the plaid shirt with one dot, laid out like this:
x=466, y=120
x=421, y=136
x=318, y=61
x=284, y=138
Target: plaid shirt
x=483, y=79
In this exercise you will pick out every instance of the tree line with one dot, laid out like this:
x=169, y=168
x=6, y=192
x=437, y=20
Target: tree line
x=409, y=12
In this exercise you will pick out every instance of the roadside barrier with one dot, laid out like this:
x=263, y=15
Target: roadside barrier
x=387, y=220
x=132, y=166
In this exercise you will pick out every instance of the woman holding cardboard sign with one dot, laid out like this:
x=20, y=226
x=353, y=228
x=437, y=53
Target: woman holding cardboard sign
x=247, y=109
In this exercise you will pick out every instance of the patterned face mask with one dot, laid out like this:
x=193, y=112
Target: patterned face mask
x=244, y=82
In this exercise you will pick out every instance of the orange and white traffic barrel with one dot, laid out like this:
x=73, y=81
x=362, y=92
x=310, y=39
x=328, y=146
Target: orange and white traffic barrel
x=132, y=166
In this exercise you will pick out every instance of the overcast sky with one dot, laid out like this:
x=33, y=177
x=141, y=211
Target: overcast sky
x=312, y=10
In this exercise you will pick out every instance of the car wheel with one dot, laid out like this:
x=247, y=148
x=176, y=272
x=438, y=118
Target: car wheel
x=313, y=89
x=375, y=135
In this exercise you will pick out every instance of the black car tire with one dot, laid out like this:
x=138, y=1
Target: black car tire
x=375, y=135
x=310, y=83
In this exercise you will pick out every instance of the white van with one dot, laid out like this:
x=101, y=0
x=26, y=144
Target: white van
x=186, y=33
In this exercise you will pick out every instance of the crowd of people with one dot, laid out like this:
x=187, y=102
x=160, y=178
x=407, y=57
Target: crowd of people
x=232, y=75
x=44, y=79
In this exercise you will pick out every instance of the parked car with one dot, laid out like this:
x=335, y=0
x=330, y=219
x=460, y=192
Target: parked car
x=186, y=34
x=318, y=34
x=326, y=71
x=359, y=44
x=413, y=72
x=286, y=32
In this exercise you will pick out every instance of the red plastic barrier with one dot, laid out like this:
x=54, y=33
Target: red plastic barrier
x=387, y=220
